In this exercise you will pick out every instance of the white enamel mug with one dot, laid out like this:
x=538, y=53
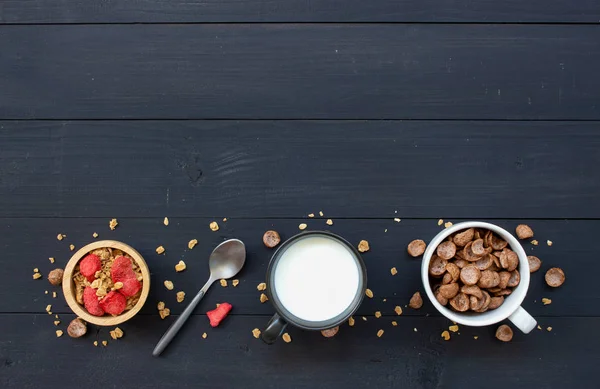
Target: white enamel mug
x=511, y=308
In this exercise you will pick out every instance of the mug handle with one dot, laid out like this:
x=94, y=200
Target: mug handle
x=274, y=329
x=523, y=320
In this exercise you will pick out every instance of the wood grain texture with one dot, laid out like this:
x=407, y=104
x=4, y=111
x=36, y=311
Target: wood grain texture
x=267, y=169
x=29, y=242
x=32, y=356
x=214, y=11
x=306, y=71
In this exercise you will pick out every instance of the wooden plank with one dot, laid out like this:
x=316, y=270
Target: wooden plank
x=307, y=71
x=290, y=168
x=214, y=11
x=231, y=357
x=27, y=243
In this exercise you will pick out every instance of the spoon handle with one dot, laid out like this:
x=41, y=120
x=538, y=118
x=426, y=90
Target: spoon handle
x=176, y=326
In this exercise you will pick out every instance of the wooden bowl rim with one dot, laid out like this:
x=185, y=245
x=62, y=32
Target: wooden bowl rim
x=69, y=290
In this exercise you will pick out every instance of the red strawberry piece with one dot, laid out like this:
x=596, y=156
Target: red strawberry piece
x=217, y=315
x=91, y=303
x=121, y=270
x=89, y=265
x=130, y=287
x=113, y=303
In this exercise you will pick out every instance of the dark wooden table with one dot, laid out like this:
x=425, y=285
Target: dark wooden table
x=265, y=111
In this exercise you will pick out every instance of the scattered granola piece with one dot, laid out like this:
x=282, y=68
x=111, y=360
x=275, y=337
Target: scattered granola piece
x=534, y=242
x=164, y=313
x=286, y=338
x=224, y=219
x=311, y=215
x=329, y=222
x=35, y=270
x=398, y=310
x=214, y=226
x=379, y=333
x=166, y=221
x=271, y=238
x=453, y=328
x=95, y=234
x=160, y=250
x=476, y=337
x=394, y=323
x=51, y=259
x=446, y=335
x=53, y=295
x=105, y=343
x=378, y=314
x=59, y=333
x=330, y=332
x=504, y=333
x=263, y=298
x=302, y=226
x=72, y=247
x=321, y=213
x=180, y=296
x=37, y=276
x=235, y=283
x=49, y=308
x=448, y=224
x=363, y=246
x=555, y=277
x=549, y=242
x=546, y=301
x=56, y=322
x=394, y=271
x=539, y=327
x=204, y=335
x=416, y=248
x=415, y=329
x=524, y=231
x=77, y=328
x=45, y=292
x=261, y=286
x=169, y=285
x=223, y=283
x=60, y=236
x=369, y=293
x=416, y=301
x=113, y=224
x=397, y=220
x=180, y=266
x=116, y=333
x=95, y=343
x=364, y=318
x=351, y=321
x=549, y=329
x=440, y=222
x=160, y=305
x=55, y=277
x=256, y=333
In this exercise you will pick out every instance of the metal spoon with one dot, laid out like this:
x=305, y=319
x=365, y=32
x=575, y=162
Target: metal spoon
x=226, y=260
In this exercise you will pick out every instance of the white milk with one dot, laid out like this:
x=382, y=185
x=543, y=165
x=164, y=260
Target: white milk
x=316, y=278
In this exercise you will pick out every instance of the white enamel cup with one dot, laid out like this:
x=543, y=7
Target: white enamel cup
x=511, y=308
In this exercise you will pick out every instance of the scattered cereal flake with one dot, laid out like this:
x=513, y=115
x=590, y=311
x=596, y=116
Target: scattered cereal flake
x=363, y=246
x=398, y=310
x=118, y=285
x=164, y=313
x=446, y=335
x=113, y=224
x=394, y=323
x=261, y=286
x=204, y=335
x=302, y=226
x=263, y=298
x=48, y=308
x=53, y=295
x=379, y=333
x=45, y=292
x=72, y=247
x=415, y=329
x=351, y=321
x=56, y=322
x=448, y=224
x=394, y=271
x=311, y=215
x=549, y=242
x=549, y=329
x=105, y=343
x=256, y=333
x=59, y=333
x=214, y=226
x=223, y=283
x=169, y=284
x=37, y=276
x=546, y=301
x=56, y=316
x=180, y=296
x=160, y=305
x=539, y=327
x=180, y=266
x=534, y=242
x=378, y=314
x=329, y=222
x=364, y=318
x=192, y=243
x=321, y=213
x=224, y=219
x=51, y=259
x=369, y=293
x=116, y=333
x=95, y=343
x=453, y=328
x=440, y=222
x=286, y=338
x=235, y=283
x=35, y=270
x=60, y=236
x=160, y=250
x=397, y=220
x=166, y=221
x=95, y=234
x=476, y=337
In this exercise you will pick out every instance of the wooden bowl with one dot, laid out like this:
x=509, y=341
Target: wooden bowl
x=68, y=284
